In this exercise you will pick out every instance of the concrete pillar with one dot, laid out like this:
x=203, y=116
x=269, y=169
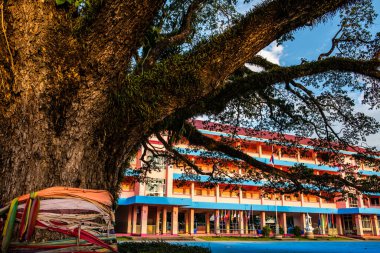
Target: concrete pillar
x=339, y=226
x=303, y=221
x=302, y=200
x=175, y=220
x=375, y=225
x=158, y=221
x=134, y=220
x=228, y=222
x=164, y=220
x=359, y=225
x=192, y=190
x=129, y=219
x=144, y=220
x=241, y=222
x=246, y=223
x=217, y=192
x=284, y=224
x=169, y=180
x=240, y=195
x=191, y=220
x=217, y=222
x=260, y=150
x=323, y=223
x=207, y=223
x=187, y=225
x=360, y=201
x=262, y=220
x=141, y=188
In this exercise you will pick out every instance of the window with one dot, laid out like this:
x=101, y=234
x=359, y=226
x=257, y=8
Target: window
x=353, y=202
x=181, y=190
x=375, y=202
x=158, y=161
x=292, y=197
x=127, y=186
x=198, y=192
x=366, y=222
x=228, y=193
x=155, y=187
x=310, y=198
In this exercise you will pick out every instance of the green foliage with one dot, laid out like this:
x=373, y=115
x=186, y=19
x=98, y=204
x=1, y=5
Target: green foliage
x=60, y=2
x=281, y=231
x=297, y=231
x=159, y=247
x=266, y=231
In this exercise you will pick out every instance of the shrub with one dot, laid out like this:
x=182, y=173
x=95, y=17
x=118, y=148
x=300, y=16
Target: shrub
x=281, y=231
x=266, y=231
x=159, y=247
x=297, y=231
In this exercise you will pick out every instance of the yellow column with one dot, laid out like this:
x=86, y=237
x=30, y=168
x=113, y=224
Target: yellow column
x=359, y=225
x=158, y=221
x=207, y=223
x=144, y=220
x=284, y=224
x=262, y=220
x=217, y=222
x=169, y=181
x=187, y=225
x=134, y=220
x=228, y=222
x=175, y=220
x=129, y=220
x=164, y=220
x=241, y=222
x=191, y=220
x=217, y=193
x=375, y=225
x=303, y=221
x=339, y=224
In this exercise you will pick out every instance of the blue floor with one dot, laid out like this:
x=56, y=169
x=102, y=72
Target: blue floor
x=290, y=247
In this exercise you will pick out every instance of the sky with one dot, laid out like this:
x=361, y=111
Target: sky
x=309, y=43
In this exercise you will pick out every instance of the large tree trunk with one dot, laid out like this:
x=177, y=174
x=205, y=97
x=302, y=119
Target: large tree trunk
x=54, y=123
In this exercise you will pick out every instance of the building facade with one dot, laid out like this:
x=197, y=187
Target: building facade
x=164, y=206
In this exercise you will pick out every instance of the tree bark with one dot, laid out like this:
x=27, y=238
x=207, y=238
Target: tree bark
x=54, y=103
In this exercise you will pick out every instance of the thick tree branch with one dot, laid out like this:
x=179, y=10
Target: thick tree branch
x=227, y=52
x=117, y=33
x=255, y=82
x=179, y=36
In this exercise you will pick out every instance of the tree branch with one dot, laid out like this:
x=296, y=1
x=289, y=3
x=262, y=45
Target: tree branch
x=254, y=82
x=117, y=33
x=261, y=26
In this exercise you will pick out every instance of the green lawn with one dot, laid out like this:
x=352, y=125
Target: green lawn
x=159, y=247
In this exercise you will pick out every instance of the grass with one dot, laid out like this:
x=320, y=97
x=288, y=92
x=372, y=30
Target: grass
x=159, y=247
x=124, y=239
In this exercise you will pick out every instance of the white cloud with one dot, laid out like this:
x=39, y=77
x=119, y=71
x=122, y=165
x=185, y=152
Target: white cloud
x=272, y=53
x=373, y=139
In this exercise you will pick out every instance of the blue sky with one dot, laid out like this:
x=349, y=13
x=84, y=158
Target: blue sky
x=309, y=43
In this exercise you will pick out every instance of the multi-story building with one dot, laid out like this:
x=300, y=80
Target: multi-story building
x=162, y=206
